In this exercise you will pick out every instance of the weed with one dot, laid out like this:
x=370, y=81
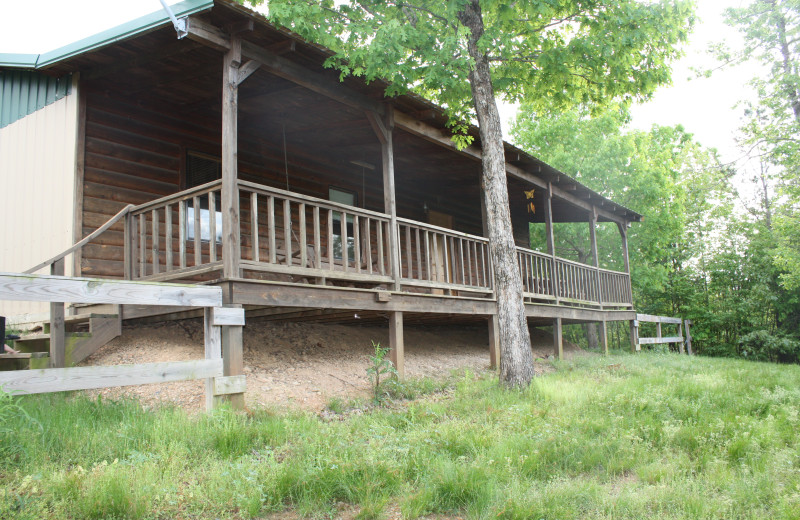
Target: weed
x=379, y=366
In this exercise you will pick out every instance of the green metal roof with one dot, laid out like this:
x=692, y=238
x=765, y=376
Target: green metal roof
x=24, y=92
x=120, y=32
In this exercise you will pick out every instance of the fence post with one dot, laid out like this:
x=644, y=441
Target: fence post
x=688, y=337
x=232, y=351
x=635, y=336
x=57, y=334
x=680, y=334
x=213, y=348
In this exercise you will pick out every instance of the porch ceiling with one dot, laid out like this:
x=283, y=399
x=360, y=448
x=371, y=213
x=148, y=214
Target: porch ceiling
x=183, y=78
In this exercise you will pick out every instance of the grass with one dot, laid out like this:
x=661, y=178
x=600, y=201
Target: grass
x=646, y=436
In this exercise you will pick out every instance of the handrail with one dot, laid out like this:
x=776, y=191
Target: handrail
x=298, y=197
x=176, y=197
x=443, y=230
x=113, y=220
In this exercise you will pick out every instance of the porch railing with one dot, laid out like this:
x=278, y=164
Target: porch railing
x=435, y=257
x=287, y=234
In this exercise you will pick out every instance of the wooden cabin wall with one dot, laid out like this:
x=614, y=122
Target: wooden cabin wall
x=135, y=151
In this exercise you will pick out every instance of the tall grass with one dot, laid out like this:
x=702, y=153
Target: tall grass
x=646, y=436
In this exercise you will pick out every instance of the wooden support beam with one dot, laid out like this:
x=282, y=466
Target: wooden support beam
x=57, y=329
x=595, y=257
x=551, y=244
x=231, y=240
x=688, y=337
x=213, y=352
x=233, y=360
x=207, y=34
x=635, y=346
x=383, y=130
x=604, y=336
x=494, y=342
x=558, y=339
x=246, y=70
x=397, y=352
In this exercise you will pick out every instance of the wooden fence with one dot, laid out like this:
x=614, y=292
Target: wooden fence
x=637, y=341
x=48, y=288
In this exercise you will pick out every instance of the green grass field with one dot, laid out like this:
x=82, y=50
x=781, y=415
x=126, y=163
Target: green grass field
x=646, y=436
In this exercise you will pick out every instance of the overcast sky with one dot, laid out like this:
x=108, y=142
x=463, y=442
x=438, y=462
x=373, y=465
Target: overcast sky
x=703, y=106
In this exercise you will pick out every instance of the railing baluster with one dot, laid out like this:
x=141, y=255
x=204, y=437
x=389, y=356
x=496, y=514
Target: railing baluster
x=272, y=242
x=287, y=231
x=212, y=227
x=381, y=258
x=345, y=252
x=182, y=234
x=419, y=255
x=198, y=251
x=428, y=255
x=142, y=245
x=330, y=239
x=409, y=265
x=155, y=242
x=134, y=242
x=461, y=259
x=168, y=238
x=254, y=226
x=474, y=246
x=436, y=256
x=303, y=236
x=357, y=243
x=368, y=242
x=317, y=241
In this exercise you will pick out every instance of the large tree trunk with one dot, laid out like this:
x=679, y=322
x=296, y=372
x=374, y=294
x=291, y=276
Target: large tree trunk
x=516, y=360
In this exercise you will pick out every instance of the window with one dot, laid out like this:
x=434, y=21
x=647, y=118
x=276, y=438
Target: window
x=349, y=198
x=201, y=169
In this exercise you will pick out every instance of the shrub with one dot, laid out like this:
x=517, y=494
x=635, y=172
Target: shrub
x=760, y=345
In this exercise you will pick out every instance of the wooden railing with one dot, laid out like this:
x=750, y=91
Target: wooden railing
x=285, y=232
x=175, y=236
x=310, y=239
x=436, y=257
x=545, y=277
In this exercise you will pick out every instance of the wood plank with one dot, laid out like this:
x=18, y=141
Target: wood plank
x=656, y=341
x=649, y=318
x=303, y=236
x=396, y=343
x=198, y=232
x=287, y=230
x=47, y=288
x=213, y=352
x=212, y=227
x=227, y=316
x=273, y=259
x=87, y=378
x=154, y=220
x=230, y=385
x=231, y=239
x=168, y=230
x=317, y=239
x=254, y=225
x=182, y=234
x=57, y=329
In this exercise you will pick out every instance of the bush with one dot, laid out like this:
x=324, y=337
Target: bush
x=760, y=345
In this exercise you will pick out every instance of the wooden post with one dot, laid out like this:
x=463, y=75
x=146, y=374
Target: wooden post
x=623, y=231
x=681, y=348
x=397, y=352
x=604, y=336
x=558, y=339
x=595, y=256
x=551, y=245
x=383, y=129
x=688, y=337
x=231, y=246
x=57, y=333
x=494, y=342
x=213, y=348
x=232, y=359
x=635, y=336
x=658, y=329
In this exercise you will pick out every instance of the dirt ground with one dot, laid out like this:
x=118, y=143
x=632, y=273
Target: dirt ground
x=300, y=365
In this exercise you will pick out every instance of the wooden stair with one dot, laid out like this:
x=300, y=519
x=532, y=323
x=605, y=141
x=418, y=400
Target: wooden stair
x=85, y=334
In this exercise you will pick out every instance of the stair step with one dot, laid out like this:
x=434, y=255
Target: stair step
x=25, y=355
x=40, y=337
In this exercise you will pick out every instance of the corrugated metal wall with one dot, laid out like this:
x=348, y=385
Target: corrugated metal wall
x=37, y=185
x=24, y=92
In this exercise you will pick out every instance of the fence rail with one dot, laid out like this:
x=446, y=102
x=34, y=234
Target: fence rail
x=26, y=287
x=659, y=339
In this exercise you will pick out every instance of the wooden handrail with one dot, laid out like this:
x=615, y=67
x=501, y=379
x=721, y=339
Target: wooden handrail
x=442, y=230
x=177, y=197
x=113, y=220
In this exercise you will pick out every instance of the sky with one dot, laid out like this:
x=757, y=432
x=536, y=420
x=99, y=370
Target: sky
x=704, y=106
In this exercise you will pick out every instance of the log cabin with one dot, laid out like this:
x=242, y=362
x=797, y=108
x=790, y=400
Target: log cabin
x=207, y=146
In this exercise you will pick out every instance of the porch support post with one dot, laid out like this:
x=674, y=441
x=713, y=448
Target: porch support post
x=383, y=129
x=231, y=246
x=232, y=360
x=551, y=246
x=604, y=336
x=595, y=256
x=623, y=231
x=57, y=334
x=558, y=339
x=635, y=336
x=397, y=352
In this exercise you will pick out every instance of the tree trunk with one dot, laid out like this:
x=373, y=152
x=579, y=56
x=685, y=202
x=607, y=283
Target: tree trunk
x=516, y=359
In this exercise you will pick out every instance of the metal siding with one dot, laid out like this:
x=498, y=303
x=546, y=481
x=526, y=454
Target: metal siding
x=37, y=171
x=25, y=92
